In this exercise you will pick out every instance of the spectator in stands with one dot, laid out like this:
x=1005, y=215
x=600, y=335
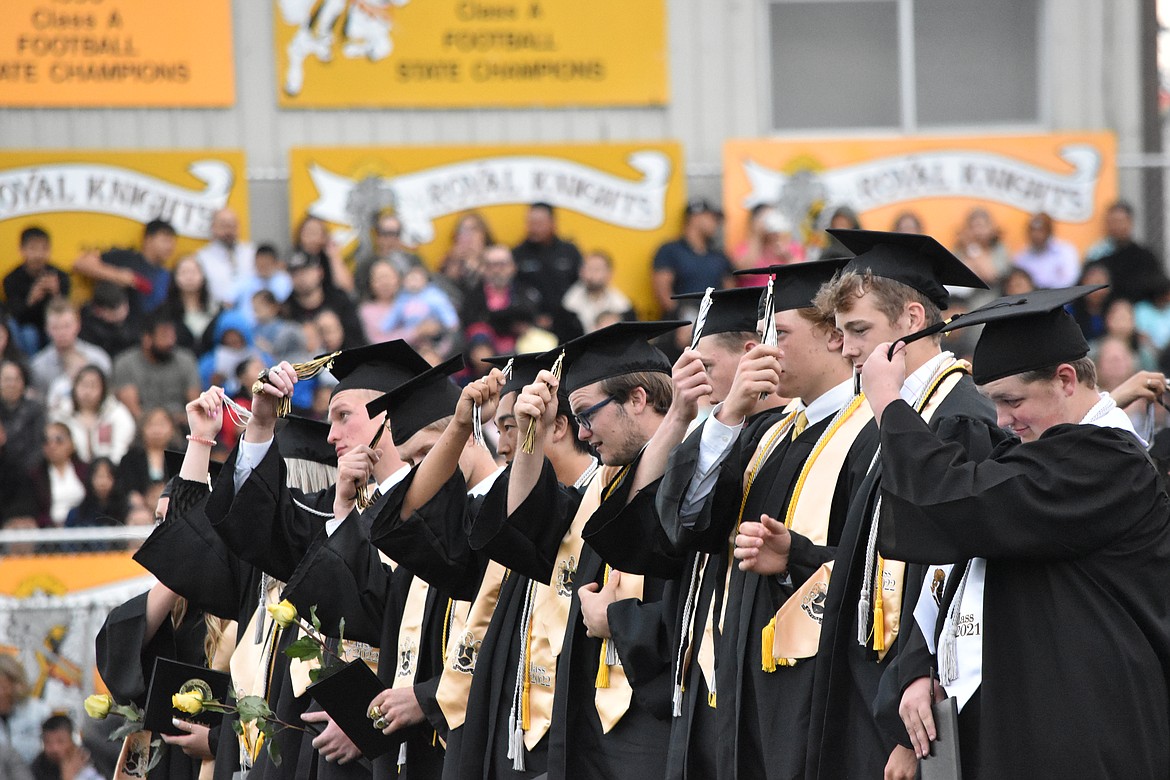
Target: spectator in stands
x=313, y=240
x=1089, y=310
x=1152, y=317
x=140, y=516
x=594, y=293
x=158, y=371
x=384, y=285
x=190, y=304
x=233, y=345
x=1050, y=261
x=310, y=294
x=546, y=263
x=61, y=757
x=981, y=249
x=1017, y=282
x=272, y=333
x=270, y=275
x=57, y=483
x=388, y=247
x=144, y=274
x=104, y=504
x=333, y=335
x=145, y=463
x=1120, y=324
x=692, y=263
x=497, y=291
x=22, y=424
x=101, y=425
x=1136, y=271
x=844, y=218
x=17, y=518
x=30, y=286
x=422, y=313
x=1115, y=361
x=769, y=241
x=20, y=715
x=105, y=320
x=461, y=268
x=65, y=354
x=9, y=350
x=12, y=766
x=908, y=222
x=228, y=264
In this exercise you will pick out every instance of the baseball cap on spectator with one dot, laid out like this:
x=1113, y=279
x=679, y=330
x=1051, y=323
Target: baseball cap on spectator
x=301, y=260
x=702, y=206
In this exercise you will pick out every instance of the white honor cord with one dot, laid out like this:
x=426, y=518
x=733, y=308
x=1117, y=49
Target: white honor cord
x=688, y=623
x=516, y=719
x=948, y=655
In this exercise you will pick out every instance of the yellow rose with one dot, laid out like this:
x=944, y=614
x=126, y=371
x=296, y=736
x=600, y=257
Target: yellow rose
x=190, y=703
x=98, y=706
x=284, y=613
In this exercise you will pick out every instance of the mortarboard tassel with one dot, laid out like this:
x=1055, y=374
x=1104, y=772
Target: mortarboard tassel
x=363, y=499
x=701, y=319
x=767, y=639
x=402, y=755
x=530, y=435
x=769, y=334
x=306, y=370
x=477, y=413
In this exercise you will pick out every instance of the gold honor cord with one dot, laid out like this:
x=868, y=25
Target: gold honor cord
x=477, y=413
x=306, y=370
x=530, y=435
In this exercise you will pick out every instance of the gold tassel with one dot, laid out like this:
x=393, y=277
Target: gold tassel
x=711, y=700
x=602, y=668
x=879, y=611
x=786, y=662
x=306, y=370
x=530, y=435
x=767, y=639
x=363, y=499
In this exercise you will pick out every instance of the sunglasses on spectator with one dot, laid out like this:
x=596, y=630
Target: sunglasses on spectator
x=394, y=233
x=584, y=418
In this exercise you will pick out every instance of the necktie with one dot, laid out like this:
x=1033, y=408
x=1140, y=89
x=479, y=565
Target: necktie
x=799, y=424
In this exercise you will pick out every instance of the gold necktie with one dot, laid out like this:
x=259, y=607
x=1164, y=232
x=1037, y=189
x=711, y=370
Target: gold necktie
x=799, y=424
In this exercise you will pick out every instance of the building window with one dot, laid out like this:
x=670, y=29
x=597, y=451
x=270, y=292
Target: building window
x=903, y=64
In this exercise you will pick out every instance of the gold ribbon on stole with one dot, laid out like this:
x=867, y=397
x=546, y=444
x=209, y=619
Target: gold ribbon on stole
x=612, y=699
x=455, y=681
x=134, y=756
x=808, y=514
x=251, y=666
x=889, y=575
x=221, y=657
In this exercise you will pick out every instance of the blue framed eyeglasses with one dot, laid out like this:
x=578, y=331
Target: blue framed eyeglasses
x=583, y=417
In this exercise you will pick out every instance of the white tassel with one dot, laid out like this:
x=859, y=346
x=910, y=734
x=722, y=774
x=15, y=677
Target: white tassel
x=948, y=667
x=678, y=694
x=863, y=619
x=611, y=653
x=402, y=754
x=516, y=742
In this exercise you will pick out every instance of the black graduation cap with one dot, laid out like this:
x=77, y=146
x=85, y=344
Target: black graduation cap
x=525, y=367
x=621, y=348
x=913, y=259
x=1023, y=332
x=305, y=439
x=797, y=284
x=380, y=367
x=731, y=311
x=419, y=401
x=173, y=463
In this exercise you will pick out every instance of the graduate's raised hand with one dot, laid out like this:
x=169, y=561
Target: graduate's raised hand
x=691, y=384
x=763, y=547
x=595, y=601
x=399, y=707
x=205, y=414
x=1142, y=386
x=484, y=393
x=354, y=467
x=538, y=401
x=882, y=377
x=758, y=372
x=917, y=715
x=332, y=743
x=277, y=385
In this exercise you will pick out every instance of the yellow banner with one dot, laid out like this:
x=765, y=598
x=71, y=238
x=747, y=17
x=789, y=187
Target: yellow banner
x=1071, y=176
x=116, y=53
x=90, y=199
x=457, y=53
x=625, y=199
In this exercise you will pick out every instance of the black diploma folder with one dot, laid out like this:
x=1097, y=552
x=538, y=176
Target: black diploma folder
x=346, y=695
x=166, y=680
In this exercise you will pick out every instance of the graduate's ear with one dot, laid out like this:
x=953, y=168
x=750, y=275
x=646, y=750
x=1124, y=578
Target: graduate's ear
x=560, y=428
x=1066, y=375
x=916, y=313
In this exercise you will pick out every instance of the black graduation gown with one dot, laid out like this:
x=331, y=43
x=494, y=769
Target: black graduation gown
x=345, y=577
x=125, y=661
x=190, y=558
x=845, y=740
x=1076, y=533
x=527, y=542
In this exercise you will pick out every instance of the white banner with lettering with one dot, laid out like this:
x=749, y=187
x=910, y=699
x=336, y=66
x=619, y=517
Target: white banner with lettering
x=1066, y=197
x=107, y=189
x=423, y=196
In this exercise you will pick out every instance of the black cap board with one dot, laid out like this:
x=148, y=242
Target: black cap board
x=173, y=463
x=913, y=259
x=797, y=284
x=732, y=311
x=419, y=401
x=1023, y=332
x=305, y=439
x=621, y=348
x=525, y=367
x=379, y=367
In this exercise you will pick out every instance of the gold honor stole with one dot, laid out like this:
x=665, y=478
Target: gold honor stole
x=776, y=434
x=888, y=583
x=794, y=633
x=251, y=666
x=468, y=631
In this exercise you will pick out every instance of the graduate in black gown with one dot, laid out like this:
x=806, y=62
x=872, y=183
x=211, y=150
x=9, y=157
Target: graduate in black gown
x=481, y=677
x=1054, y=638
x=893, y=287
x=601, y=721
